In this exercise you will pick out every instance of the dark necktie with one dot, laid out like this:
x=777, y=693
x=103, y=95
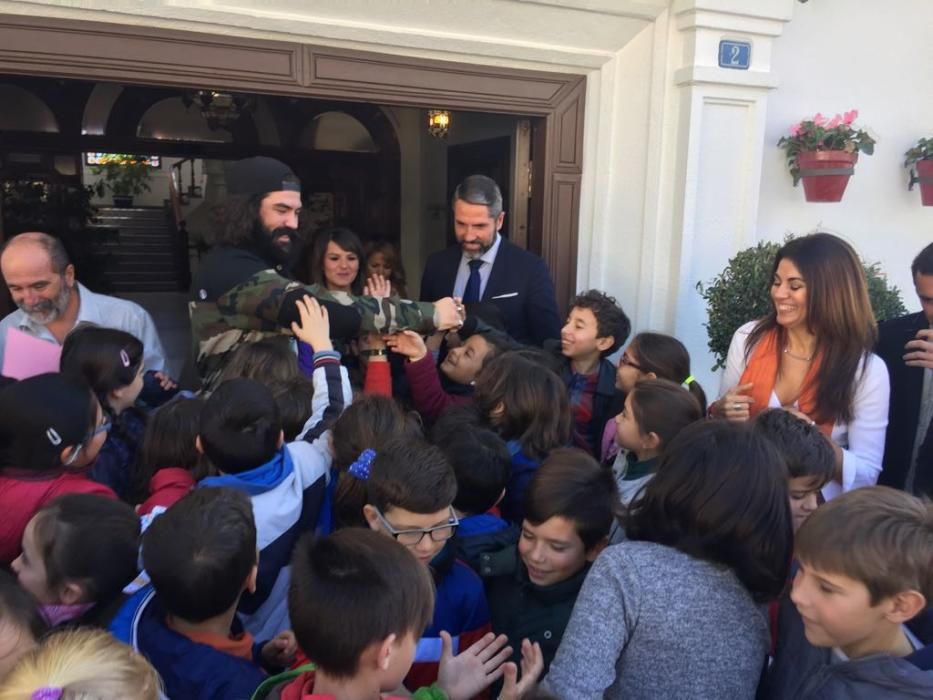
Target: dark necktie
x=471, y=293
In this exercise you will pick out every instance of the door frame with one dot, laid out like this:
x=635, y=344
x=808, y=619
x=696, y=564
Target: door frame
x=40, y=46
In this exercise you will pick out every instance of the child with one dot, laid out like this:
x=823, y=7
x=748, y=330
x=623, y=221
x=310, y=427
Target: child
x=656, y=410
x=410, y=493
x=81, y=663
x=268, y=360
x=527, y=405
x=359, y=605
x=811, y=463
x=864, y=575
x=368, y=424
x=295, y=400
x=459, y=368
x=651, y=356
x=51, y=428
x=201, y=557
x=241, y=434
x=596, y=327
x=674, y=610
x=482, y=464
x=169, y=463
x=21, y=626
x=111, y=361
x=79, y=551
x=569, y=507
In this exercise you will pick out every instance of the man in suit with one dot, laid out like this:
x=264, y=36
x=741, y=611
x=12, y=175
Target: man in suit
x=906, y=345
x=485, y=268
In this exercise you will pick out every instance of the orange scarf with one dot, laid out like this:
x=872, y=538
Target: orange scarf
x=239, y=645
x=761, y=372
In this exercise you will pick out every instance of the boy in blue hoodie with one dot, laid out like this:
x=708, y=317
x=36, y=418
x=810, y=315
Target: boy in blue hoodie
x=201, y=557
x=289, y=484
x=848, y=629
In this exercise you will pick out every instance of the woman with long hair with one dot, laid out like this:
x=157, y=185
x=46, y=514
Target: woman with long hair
x=812, y=355
x=336, y=261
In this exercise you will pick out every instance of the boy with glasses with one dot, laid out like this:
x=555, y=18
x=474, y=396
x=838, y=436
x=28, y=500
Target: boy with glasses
x=410, y=492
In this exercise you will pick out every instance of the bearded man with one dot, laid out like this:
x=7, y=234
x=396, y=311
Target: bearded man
x=51, y=302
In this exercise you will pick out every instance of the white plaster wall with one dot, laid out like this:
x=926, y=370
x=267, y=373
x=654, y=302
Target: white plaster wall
x=878, y=60
x=158, y=183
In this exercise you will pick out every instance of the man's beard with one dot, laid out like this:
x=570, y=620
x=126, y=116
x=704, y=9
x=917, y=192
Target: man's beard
x=48, y=310
x=269, y=249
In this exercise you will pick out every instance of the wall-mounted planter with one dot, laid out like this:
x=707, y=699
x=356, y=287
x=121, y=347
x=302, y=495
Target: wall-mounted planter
x=922, y=175
x=825, y=174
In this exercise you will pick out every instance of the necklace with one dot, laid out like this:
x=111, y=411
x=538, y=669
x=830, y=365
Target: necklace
x=797, y=357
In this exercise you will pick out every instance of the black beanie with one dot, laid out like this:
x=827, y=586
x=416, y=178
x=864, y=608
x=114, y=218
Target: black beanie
x=260, y=175
x=41, y=416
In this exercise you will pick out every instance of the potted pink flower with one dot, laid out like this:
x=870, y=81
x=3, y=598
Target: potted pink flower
x=822, y=152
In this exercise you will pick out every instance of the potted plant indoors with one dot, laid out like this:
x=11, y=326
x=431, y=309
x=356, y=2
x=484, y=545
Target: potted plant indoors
x=741, y=293
x=822, y=152
x=124, y=177
x=919, y=160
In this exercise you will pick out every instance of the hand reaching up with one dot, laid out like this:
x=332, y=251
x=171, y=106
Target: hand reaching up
x=474, y=669
x=407, y=343
x=377, y=286
x=532, y=666
x=314, y=328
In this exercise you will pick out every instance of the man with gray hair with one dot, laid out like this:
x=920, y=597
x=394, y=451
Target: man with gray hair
x=51, y=302
x=486, y=268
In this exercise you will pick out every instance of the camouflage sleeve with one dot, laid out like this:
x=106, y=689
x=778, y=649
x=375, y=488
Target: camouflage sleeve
x=267, y=299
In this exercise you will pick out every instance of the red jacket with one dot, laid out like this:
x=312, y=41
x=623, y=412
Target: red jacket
x=166, y=487
x=22, y=497
x=427, y=394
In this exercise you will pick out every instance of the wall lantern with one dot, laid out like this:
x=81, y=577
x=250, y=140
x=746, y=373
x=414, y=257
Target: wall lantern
x=438, y=123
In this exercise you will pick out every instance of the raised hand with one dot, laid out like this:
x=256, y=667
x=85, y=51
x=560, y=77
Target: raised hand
x=532, y=666
x=920, y=350
x=377, y=286
x=736, y=404
x=314, y=328
x=449, y=313
x=407, y=343
x=474, y=669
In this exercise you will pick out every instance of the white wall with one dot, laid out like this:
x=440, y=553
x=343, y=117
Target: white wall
x=878, y=60
x=158, y=184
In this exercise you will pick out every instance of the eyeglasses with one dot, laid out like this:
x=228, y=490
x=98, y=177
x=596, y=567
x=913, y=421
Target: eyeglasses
x=102, y=428
x=627, y=361
x=410, y=538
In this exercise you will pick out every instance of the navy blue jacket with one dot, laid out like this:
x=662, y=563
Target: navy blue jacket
x=519, y=286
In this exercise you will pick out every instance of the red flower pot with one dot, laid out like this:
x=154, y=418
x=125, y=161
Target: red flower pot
x=924, y=178
x=825, y=174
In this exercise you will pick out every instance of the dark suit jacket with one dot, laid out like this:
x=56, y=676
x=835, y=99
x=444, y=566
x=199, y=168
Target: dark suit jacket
x=904, y=409
x=519, y=286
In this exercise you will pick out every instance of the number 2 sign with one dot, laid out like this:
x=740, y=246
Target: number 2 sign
x=735, y=54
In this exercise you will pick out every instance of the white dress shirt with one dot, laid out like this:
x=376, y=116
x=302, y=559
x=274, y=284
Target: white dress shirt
x=463, y=272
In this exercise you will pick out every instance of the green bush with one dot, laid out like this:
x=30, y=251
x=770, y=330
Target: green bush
x=740, y=293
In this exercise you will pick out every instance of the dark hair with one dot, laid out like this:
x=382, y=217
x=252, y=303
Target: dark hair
x=352, y=589
x=610, y=318
x=107, y=358
x=879, y=536
x=499, y=342
x=240, y=426
x=481, y=462
x=348, y=241
x=295, y=400
x=200, y=552
x=368, y=423
x=480, y=189
x=398, y=279
x=923, y=263
x=667, y=358
x=168, y=441
x=839, y=314
x=18, y=608
x=720, y=495
x=571, y=484
x=89, y=540
x=268, y=360
x=537, y=410
x=663, y=408
x=235, y=220
x=413, y=475
x=805, y=450
x=41, y=416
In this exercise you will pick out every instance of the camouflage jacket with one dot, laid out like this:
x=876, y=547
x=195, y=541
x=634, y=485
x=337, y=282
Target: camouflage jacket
x=258, y=307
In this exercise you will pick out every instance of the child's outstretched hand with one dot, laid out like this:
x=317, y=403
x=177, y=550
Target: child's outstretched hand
x=377, y=286
x=314, y=328
x=407, y=343
x=279, y=652
x=165, y=381
x=474, y=669
x=532, y=666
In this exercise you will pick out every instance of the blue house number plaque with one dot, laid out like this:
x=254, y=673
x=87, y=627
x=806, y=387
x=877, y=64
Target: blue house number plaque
x=735, y=54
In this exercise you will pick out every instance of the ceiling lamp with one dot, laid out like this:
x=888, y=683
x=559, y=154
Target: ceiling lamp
x=221, y=110
x=438, y=123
